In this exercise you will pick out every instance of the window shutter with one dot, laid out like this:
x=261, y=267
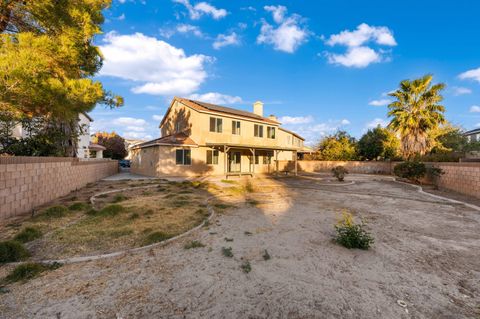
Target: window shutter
x=209, y=157
x=212, y=124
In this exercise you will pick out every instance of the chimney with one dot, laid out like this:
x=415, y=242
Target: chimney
x=258, y=108
x=273, y=117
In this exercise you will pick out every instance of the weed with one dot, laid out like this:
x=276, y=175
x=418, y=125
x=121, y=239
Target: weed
x=28, y=271
x=227, y=252
x=266, y=255
x=249, y=187
x=78, y=206
x=119, y=233
x=339, y=173
x=156, y=237
x=161, y=189
x=247, y=233
x=228, y=239
x=91, y=212
x=197, y=184
x=253, y=202
x=72, y=198
x=222, y=206
x=102, y=196
x=133, y=216
x=352, y=235
x=246, y=267
x=227, y=181
x=119, y=198
x=111, y=210
x=11, y=251
x=202, y=212
x=185, y=191
x=193, y=244
x=28, y=234
x=149, y=212
x=55, y=212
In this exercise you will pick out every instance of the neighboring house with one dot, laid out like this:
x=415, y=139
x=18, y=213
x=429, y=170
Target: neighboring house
x=85, y=148
x=201, y=138
x=473, y=135
x=129, y=144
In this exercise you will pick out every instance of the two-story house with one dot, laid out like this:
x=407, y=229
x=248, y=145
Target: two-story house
x=205, y=139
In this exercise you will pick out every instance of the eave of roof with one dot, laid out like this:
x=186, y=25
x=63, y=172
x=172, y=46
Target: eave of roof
x=255, y=146
x=293, y=133
x=177, y=139
x=474, y=131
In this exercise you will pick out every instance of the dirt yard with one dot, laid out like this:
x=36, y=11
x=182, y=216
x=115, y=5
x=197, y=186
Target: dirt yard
x=425, y=262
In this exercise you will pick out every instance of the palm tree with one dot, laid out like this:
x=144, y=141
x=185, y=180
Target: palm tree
x=415, y=112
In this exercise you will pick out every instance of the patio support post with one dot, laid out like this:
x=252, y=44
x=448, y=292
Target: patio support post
x=276, y=162
x=225, y=160
x=296, y=162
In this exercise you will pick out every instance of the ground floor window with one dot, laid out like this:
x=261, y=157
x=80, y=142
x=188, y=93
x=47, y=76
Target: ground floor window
x=212, y=157
x=183, y=157
x=267, y=159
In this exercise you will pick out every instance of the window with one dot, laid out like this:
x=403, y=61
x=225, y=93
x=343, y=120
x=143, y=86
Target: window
x=258, y=130
x=270, y=132
x=267, y=159
x=289, y=140
x=257, y=159
x=183, y=157
x=216, y=124
x=212, y=157
x=236, y=127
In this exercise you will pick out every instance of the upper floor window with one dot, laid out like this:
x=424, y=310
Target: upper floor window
x=183, y=157
x=258, y=130
x=270, y=132
x=216, y=124
x=236, y=127
x=212, y=157
x=289, y=140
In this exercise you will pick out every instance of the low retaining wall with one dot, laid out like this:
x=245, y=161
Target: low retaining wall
x=463, y=178
x=27, y=182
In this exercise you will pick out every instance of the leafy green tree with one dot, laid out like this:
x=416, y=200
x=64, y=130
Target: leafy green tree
x=338, y=147
x=114, y=144
x=378, y=143
x=48, y=59
x=415, y=112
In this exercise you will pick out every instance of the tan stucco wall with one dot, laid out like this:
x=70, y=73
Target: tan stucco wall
x=160, y=161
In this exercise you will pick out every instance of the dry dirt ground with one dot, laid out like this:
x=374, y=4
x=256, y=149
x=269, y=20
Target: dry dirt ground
x=426, y=254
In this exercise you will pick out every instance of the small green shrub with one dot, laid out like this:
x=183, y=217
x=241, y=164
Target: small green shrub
x=78, y=206
x=28, y=271
x=228, y=239
x=352, y=235
x=433, y=171
x=28, y=234
x=11, y=251
x=227, y=252
x=410, y=170
x=111, y=210
x=119, y=198
x=339, y=173
x=193, y=244
x=156, y=237
x=246, y=267
x=55, y=211
x=266, y=255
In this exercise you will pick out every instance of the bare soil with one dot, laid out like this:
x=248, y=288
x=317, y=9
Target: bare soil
x=426, y=256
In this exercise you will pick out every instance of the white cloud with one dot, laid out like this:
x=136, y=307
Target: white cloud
x=157, y=117
x=158, y=67
x=296, y=119
x=381, y=102
x=121, y=17
x=475, y=109
x=188, y=28
x=357, y=57
x=345, y=122
x=202, y=8
x=313, y=132
x=216, y=98
x=358, y=54
x=224, y=40
x=461, y=91
x=288, y=35
x=473, y=74
x=127, y=127
x=363, y=34
x=137, y=136
x=376, y=122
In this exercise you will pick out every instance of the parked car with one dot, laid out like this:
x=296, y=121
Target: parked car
x=124, y=163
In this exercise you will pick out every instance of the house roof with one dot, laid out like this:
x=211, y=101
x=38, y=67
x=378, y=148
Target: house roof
x=474, y=131
x=208, y=107
x=177, y=139
x=87, y=116
x=293, y=133
x=96, y=147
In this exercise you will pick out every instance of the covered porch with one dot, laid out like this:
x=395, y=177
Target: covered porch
x=243, y=159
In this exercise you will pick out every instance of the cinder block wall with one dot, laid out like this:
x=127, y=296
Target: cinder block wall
x=463, y=178
x=27, y=182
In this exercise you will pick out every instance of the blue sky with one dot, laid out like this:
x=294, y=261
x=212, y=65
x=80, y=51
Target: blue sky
x=319, y=66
